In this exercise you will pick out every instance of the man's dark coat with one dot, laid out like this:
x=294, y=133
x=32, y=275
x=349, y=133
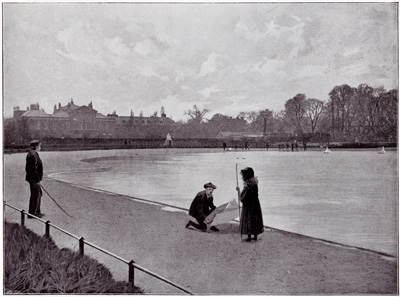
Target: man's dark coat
x=34, y=174
x=201, y=206
x=34, y=167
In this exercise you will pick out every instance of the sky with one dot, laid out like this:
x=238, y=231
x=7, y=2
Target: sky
x=227, y=58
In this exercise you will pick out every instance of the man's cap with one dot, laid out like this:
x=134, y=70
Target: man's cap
x=34, y=142
x=210, y=185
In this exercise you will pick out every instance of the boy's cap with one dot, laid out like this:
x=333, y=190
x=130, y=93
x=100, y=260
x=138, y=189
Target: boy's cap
x=210, y=185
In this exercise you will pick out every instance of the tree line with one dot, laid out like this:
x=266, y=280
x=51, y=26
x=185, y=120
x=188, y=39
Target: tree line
x=351, y=114
x=362, y=114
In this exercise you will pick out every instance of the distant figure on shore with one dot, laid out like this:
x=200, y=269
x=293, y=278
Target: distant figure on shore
x=246, y=145
x=168, y=140
x=224, y=145
x=382, y=151
x=292, y=146
x=305, y=144
x=201, y=207
x=34, y=175
x=267, y=146
x=251, y=220
x=287, y=146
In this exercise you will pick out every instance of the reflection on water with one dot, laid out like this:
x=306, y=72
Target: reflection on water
x=348, y=196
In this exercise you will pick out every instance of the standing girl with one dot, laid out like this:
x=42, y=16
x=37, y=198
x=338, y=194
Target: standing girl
x=251, y=221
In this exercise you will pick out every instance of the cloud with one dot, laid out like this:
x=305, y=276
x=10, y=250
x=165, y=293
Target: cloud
x=208, y=91
x=146, y=48
x=208, y=66
x=214, y=63
x=273, y=29
x=75, y=43
x=173, y=106
x=227, y=57
x=118, y=47
x=242, y=30
x=147, y=71
x=181, y=76
x=268, y=66
x=351, y=52
x=296, y=18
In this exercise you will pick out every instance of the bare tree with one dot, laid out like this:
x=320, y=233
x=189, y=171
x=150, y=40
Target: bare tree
x=266, y=115
x=313, y=110
x=362, y=98
x=196, y=114
x=389, y=115
x=342, y=105
x=250, y=117
x=279, y=121
x=295, y=109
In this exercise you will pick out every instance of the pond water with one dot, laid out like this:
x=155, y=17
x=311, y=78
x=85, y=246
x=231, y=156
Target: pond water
x=349, y=197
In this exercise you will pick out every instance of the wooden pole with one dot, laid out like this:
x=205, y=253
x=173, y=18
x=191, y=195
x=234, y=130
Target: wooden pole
x=237, y=184
x=55, y=201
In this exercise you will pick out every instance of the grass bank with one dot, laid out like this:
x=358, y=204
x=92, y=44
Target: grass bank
x=34, y=264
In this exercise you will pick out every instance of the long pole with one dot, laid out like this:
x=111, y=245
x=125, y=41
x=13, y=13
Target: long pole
x=55, y=201
x=237, y=184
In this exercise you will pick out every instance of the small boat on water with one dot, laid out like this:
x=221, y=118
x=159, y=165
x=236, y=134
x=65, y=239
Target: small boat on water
x=327, y=151
x=382, y=151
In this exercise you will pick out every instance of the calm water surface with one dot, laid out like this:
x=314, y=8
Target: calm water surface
x=350, y=197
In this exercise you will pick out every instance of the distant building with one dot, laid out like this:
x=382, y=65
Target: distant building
x=76, y=121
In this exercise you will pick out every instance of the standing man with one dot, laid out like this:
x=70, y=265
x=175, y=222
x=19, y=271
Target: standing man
x=201, y=207
x=304, y=144
x=34, y=174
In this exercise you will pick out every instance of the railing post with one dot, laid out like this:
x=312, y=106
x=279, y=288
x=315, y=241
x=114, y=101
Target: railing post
x=131, y=277
x=22, y=217
x=81, y=245
x=47, y=233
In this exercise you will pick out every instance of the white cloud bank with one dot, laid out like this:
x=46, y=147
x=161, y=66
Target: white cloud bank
x=226, y=57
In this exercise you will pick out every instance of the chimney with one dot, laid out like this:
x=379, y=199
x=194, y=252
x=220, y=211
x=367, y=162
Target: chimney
x=18, y=112
x=163, y=115
x=35, y=106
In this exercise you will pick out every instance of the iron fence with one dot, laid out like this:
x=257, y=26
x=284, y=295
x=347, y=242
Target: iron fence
x=82, y=242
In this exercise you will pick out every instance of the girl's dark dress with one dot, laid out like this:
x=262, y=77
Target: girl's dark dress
x=251, y=221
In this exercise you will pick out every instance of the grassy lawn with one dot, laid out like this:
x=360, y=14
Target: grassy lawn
x=34, y=264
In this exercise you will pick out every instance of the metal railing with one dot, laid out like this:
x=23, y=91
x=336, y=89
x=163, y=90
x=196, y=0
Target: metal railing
x=82, y=242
